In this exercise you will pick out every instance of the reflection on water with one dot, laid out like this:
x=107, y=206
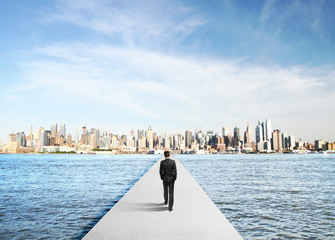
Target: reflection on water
x=271, y=196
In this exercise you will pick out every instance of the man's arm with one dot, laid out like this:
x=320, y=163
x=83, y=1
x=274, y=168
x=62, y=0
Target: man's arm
x=161, y=171
x=175, y=170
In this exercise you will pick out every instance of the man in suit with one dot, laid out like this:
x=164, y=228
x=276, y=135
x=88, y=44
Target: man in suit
x=168, y=173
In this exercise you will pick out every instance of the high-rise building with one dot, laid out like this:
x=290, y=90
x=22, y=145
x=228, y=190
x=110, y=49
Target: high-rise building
x=76, y=136
x=45, y=138
x=188, y=138
x=291, y=142
x=259, y=132
x=284, y=140
x=150, y=138
x=277, y=140
x=247, y=135
x=62, y=130
x=69, y=140
x=225, y=131
x=21, y=139
x=54, y=130
x=268, y=130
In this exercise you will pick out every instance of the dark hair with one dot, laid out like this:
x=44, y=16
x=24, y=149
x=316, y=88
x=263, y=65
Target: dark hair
x=166, y=154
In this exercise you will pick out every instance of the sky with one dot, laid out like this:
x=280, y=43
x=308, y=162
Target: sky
x=172, y=65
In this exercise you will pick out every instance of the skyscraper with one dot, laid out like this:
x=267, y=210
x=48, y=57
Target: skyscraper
x=259, y=132
x=150, y=138
x=188, y=138
x=247, y=139
x=268, y=130
x=277, y=140
x=62, y=130
x=225, y=131
x=54, y=130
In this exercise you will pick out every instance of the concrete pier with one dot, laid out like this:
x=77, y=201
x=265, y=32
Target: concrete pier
x=141, y=213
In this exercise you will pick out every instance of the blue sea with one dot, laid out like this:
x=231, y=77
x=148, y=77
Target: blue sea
x=270, y=196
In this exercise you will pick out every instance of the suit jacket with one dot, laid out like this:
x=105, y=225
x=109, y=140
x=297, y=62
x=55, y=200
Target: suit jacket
x=168, y=170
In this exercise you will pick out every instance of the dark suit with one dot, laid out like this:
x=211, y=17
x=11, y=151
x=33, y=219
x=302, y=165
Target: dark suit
x=168, y=172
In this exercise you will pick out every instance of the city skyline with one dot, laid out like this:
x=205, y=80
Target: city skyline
x=170, y=64
x=55, y=139
x=261, y=132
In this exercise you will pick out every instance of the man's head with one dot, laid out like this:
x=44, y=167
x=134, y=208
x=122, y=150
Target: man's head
x=166, y=154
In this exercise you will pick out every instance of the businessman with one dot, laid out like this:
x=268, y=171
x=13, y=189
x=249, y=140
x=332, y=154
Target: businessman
x=168, y=173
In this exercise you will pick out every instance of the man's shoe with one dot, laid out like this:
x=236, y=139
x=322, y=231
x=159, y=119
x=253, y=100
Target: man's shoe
x=170, y=209
x=165, y=203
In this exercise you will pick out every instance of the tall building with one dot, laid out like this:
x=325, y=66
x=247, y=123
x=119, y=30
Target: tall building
x=188, y=138
x=62, y=130
x=268, y=130
x=21, y=139
x=150, y=138
x=277, y=140
x=291, y=142
x=76, y=136
x=69, y=140
x=225, y=131
x=259, y=133
x=247, y=135
x=31, y=137
x=284, y=140
x=54, y=130
x=45, y=138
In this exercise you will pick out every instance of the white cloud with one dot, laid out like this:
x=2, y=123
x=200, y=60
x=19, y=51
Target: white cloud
x=133, y=23
x=153, y=85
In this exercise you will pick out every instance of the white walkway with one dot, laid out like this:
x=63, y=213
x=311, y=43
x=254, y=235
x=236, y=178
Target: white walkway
x=141, y=214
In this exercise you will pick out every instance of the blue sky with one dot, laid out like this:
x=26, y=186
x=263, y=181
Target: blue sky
x=122, y=65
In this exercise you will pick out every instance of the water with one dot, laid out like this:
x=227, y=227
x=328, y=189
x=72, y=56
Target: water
x=279, y=196
x=62, y=196
x=264, y=196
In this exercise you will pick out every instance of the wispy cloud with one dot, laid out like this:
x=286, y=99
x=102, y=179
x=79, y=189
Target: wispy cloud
x=131, y=22
x=156, y=85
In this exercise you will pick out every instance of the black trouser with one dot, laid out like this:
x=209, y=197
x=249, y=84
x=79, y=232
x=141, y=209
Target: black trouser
x=168, y=190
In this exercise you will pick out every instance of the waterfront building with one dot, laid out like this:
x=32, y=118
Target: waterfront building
x=318, y=145
x=31, y=137
x=166, y=142
x=21, y=139
x=268, y=130
x=225, y=131
x=11, y=138
x=150, y=138
x=54, y=130
x=291, y=142
x=141, y=143
x=45, y=138
x=124, y=140
x=188, y=138
x=285, y=140
x=62, y=130
x=69, y=140
x=236, y=136
x=85, y=136
x=76, y=136
x=277, y=140
x=247, y=135
x=11, y=147
x=140, y=134
x=259, y=133
x=267, y=145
